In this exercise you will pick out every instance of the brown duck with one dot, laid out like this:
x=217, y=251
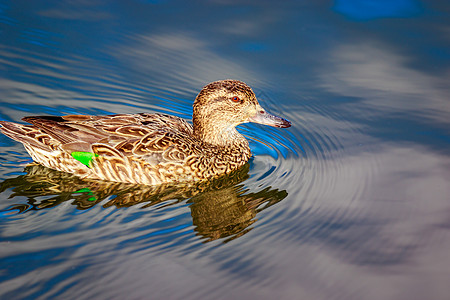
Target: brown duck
x=149, y=148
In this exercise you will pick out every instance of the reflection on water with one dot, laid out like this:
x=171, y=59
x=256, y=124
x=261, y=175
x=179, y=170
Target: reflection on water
x=220, y=208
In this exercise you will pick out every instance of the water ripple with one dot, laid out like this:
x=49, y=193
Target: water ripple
x=301, y=160
x=304, y=166
x=317, y=171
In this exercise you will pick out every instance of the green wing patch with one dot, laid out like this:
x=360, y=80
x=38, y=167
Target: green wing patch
x=84, y=157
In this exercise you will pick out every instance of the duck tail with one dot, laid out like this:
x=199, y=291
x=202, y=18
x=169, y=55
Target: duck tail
x=24, y=134
x=13, y=130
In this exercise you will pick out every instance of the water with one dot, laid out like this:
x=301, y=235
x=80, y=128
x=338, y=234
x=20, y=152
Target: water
x=351, y=202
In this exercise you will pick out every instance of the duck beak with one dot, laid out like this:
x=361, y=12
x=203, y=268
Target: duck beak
x=263, y=117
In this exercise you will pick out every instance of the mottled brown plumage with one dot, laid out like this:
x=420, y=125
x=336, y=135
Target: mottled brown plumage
x=149, y=148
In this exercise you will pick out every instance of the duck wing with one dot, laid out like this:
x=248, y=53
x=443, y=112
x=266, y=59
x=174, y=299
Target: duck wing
x=153, y=137
x=135, y=148
x=129, y=134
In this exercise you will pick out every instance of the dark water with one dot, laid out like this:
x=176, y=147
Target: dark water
x=351, y=202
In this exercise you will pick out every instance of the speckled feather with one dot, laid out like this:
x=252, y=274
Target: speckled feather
x=147, y=148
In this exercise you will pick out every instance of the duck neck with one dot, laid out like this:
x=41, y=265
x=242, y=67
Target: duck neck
x=219, y=135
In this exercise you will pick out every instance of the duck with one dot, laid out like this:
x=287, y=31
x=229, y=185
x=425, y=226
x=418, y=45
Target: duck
x=149, y=148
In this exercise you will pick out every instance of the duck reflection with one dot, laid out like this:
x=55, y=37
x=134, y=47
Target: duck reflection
x=220, y=208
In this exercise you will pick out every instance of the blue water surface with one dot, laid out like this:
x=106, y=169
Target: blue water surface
x=351, y=202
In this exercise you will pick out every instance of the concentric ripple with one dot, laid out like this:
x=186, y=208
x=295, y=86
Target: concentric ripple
x=305, y=161
x=318, y=163
x=296, y=173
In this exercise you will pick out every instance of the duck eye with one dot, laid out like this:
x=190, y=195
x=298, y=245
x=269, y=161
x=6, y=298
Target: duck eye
x=236, y=99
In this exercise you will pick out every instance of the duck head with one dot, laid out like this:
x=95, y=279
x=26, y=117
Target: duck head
x=222, y=105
